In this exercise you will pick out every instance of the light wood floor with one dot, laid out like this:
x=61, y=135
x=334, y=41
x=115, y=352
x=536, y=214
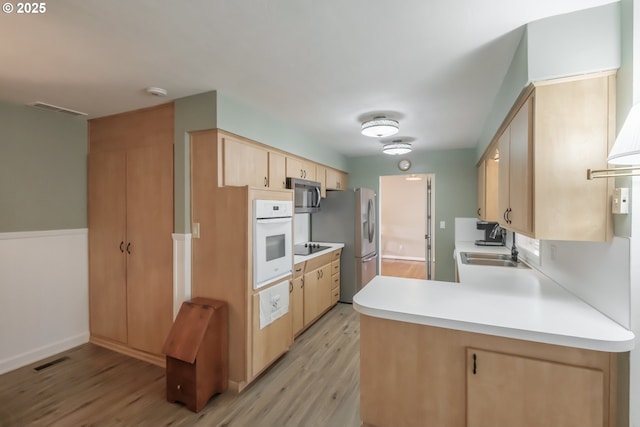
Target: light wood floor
x=315, y=384
x=402, y=268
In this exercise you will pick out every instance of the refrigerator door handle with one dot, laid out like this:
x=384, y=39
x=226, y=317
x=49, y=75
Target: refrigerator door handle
x=371, y=258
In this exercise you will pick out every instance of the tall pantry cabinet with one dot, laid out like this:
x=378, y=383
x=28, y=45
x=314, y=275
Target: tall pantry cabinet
x=130, y=215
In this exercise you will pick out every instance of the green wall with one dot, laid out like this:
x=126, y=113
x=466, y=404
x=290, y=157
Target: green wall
x=192, y=113
x=245, y=120
x=455, y=191
x=43, y=170
x=565, y=45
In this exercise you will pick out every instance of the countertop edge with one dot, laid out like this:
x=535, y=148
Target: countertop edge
x=519, y=334
x=297, y=259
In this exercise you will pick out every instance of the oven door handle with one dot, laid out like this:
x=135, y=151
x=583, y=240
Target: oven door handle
x=273, y=220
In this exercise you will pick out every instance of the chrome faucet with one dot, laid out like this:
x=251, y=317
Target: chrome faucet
x=514, y=249
x=494, y=231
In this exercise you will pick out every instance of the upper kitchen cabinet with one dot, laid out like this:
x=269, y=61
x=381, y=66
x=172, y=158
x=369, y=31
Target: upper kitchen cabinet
x=555, y=132
x=514, y=173
x=336, y=180
x=299, y=168
x=321, y=177
x=130, y=217
x=277, y=170
x=488, y=188
x=242, y=163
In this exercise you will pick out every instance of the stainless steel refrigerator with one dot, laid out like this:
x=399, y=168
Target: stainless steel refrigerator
x=349, y=217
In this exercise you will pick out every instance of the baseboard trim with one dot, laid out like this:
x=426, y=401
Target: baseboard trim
x=154, y=359
x=38, y=354
x=43, y=233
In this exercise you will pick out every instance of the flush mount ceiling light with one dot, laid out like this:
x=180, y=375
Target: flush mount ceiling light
x=396, y=147
x=156, y=91
x=380, y=127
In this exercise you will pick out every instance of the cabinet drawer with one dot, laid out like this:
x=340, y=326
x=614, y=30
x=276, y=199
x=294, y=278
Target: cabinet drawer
x=335, y=296
x=317, y=262
x=335, y=267
x=335, y=255
x=335, y=281
x=298, y=270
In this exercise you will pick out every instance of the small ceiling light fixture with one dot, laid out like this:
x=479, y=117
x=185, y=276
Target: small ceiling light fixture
x=380, y=127
x=156, y=91
x=396, y=147
x=625, y=151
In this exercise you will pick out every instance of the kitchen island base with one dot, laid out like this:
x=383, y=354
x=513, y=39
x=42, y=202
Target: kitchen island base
x=419, y=375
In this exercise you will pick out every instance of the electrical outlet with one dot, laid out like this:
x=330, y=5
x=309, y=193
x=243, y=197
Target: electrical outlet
x=195, y=230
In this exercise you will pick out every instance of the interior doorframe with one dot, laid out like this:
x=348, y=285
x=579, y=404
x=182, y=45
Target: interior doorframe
x=429, y=200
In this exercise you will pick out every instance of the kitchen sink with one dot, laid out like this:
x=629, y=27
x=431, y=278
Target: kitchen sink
x=487, y=259
x=485, y=255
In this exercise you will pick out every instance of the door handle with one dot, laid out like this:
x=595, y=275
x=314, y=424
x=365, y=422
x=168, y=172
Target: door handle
x=369, y=259
x=128, y=248
x=121, y=247
x=266, y=182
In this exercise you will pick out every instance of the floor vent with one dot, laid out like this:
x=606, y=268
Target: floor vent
x=49, y=107
x=50, y=364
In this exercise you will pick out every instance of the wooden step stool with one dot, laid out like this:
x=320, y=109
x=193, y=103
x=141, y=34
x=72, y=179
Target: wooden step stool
x=197, y=353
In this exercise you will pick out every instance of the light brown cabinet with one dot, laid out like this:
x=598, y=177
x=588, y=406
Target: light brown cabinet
x=277, y=170
x=130, y=218
x=515, y=173
x=317, y=292
x=270, y=342
x=336, y=180
x=297, y=299
x=242, y=163
x=335, y=276
x=511, y=390
x=299, y=168
x=488, y=189
x=555, y=132
x=427, y=373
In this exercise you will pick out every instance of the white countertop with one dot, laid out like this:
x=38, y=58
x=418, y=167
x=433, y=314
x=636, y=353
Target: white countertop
x=332, y=247
x=508, y=302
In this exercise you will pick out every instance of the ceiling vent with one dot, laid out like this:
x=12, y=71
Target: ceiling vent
x=45, y=106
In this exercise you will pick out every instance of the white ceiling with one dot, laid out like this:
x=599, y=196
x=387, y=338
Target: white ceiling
x=321, y=66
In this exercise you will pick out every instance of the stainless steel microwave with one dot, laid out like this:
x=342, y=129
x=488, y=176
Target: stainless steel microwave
x=306, y=195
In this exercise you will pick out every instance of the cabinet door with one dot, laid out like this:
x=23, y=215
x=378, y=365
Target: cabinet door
x=277, y=171
x=107, y=241
x=521, y=171
x=244, y=164
x=491, y=187
x=311, y=295
x=325, y=283
x=271, y=341
x=503, y=178
x=149, y=246
x=295, y=168
x=297, y=305
x=505, y=390
x=481, y=190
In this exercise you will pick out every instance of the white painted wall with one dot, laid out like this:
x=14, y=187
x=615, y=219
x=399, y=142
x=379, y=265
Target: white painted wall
x=43, y=294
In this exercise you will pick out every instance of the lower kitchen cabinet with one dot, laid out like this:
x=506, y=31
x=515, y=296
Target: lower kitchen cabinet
x=296, y=303
x=270, y=342
x=317, y=292
x=505, y=390
x=424, y=376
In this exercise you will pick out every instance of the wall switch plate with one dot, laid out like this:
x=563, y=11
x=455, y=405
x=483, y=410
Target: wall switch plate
x=620, y=201
x=442, y=224
x=195, y=230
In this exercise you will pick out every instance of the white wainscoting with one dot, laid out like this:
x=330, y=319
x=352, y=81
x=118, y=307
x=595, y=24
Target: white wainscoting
x=181, y=270
x=44, y=295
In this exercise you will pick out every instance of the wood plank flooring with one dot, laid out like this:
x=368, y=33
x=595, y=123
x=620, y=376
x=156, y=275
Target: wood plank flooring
x=403, y=268
x=315, y=384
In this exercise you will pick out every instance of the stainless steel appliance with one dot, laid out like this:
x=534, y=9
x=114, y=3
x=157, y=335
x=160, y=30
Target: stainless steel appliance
x=349, y=217
x=494, y=235
x=308, y=248
x=306, y=195
x=272, y=241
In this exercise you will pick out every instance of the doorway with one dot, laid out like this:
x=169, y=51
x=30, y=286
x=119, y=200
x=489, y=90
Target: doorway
x=406, y=226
